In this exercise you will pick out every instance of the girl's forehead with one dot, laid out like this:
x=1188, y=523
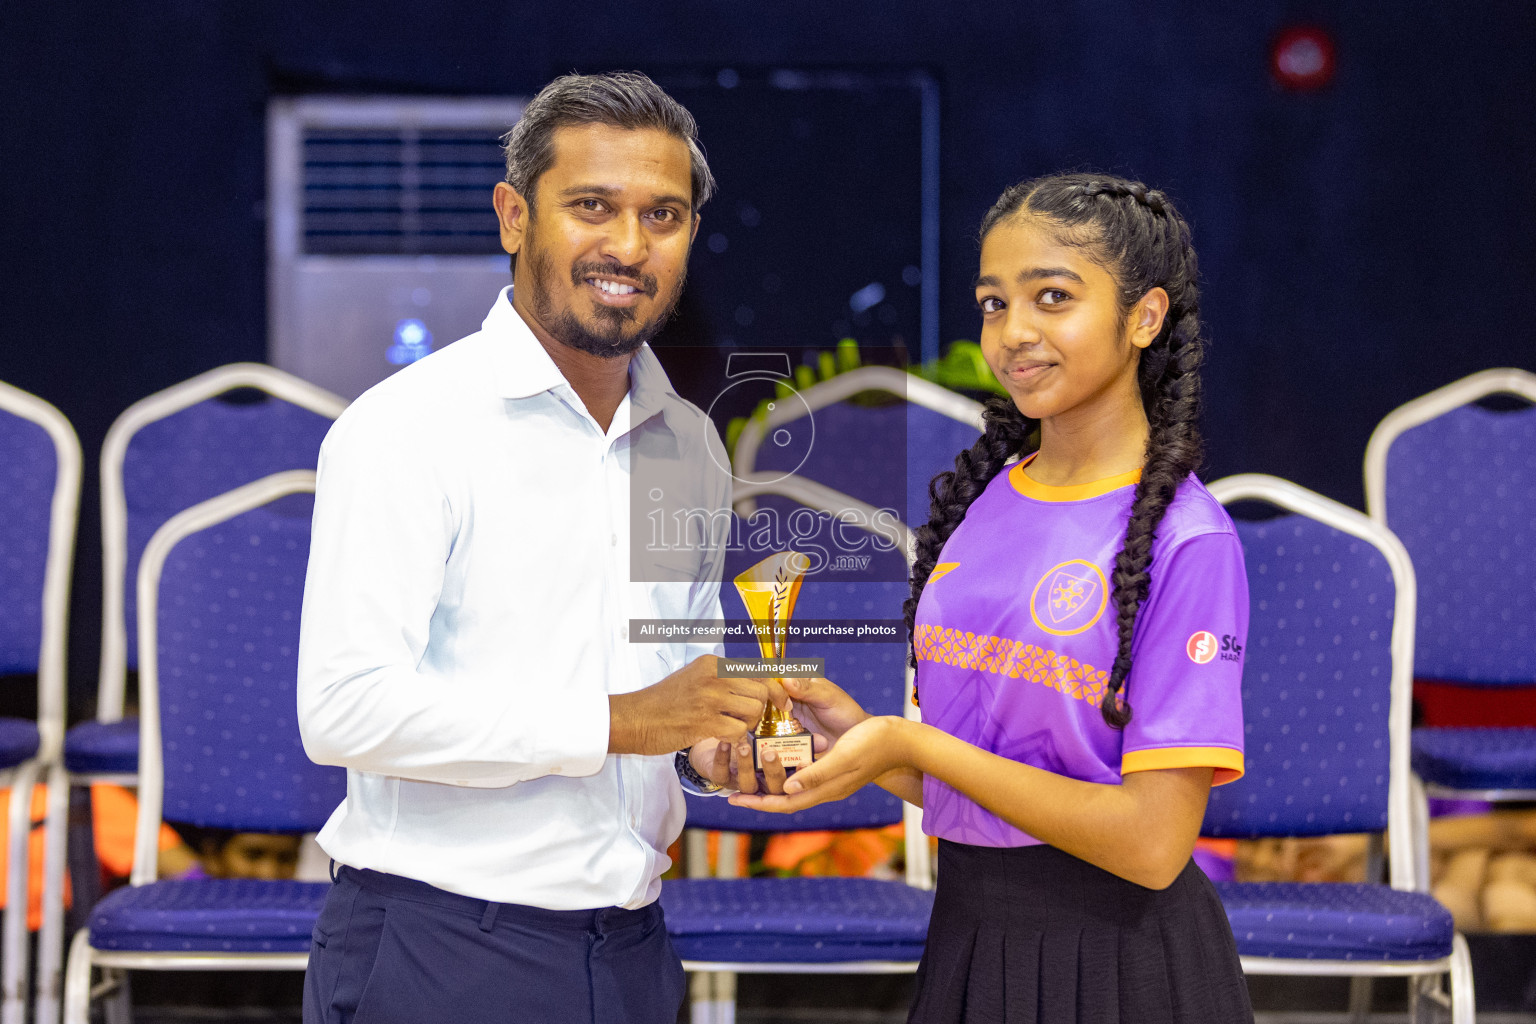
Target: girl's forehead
x=1027, y=245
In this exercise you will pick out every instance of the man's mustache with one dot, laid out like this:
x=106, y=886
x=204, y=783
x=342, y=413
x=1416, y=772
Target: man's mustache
x=632, y=276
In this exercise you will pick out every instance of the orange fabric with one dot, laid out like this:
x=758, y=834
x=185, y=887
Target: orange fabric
x=114, y=819
x=1226, y=848
x=743, y=854
x=851, y=854
x=1031, y=488
x=1010, y=658
x=1227, y=762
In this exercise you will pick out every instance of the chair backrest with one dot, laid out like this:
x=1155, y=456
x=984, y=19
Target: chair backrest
x=882, y=454
x=1326, y=674
x=39, y=508
x=181, y=446
x=1457, y=483
x=221, y=585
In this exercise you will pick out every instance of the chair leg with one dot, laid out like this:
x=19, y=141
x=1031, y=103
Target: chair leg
x=701, y=1005
x=725, y=998
x=77, y=980
x=50, y=939
x=713, y=998
x=1359, y=999
x=1463, y=995
x=119, y=1004
x=15, y=939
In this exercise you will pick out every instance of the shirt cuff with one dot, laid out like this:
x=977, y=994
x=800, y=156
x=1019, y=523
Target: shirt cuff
x=1227, y=761
x=572, y=731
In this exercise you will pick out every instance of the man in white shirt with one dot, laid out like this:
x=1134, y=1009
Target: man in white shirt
x=511, y=788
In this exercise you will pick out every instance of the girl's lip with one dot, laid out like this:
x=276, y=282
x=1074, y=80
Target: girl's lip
x=1028, y=371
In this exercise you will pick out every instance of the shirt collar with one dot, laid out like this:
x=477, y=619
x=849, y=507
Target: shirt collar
x=523, y=368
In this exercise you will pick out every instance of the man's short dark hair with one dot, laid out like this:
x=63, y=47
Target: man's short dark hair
x=621, y=99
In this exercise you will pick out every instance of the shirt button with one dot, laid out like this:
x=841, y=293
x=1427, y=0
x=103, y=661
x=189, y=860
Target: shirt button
x=614, y=540
x=623, y=632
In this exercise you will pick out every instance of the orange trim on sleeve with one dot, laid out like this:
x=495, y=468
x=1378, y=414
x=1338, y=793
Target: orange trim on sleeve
x=1227, y=762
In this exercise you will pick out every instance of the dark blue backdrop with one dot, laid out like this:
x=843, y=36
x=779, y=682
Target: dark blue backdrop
x=1361, y=245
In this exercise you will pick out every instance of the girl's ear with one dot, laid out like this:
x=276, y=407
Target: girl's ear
x=1147, y=317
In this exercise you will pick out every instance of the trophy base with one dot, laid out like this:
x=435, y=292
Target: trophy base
x=792, y=751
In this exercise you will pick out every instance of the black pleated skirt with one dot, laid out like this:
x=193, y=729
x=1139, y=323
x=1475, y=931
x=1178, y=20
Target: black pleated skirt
x=1032, y=935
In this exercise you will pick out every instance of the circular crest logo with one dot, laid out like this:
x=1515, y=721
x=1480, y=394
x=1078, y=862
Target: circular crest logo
x=1069, y=598
x=1201, y=647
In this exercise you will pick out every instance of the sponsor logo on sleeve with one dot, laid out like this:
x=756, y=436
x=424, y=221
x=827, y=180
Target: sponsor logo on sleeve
x=1231, y=650
x=1203, y=647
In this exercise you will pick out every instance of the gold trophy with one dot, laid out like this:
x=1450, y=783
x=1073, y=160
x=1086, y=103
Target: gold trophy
x=769, y=589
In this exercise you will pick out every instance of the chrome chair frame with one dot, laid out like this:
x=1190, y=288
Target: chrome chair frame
x=63, y=518
x=713, y=987
x=112, y=680
x=1399, y=421
x=1406, y=816
x=78, y=989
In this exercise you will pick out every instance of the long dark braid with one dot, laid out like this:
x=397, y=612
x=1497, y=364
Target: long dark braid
x=1007, y=434
x=1136, y=234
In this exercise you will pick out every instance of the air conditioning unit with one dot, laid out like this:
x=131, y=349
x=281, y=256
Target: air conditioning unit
x=381, y=239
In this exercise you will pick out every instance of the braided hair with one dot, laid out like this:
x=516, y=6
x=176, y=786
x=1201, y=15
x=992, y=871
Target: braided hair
x=1136, y=234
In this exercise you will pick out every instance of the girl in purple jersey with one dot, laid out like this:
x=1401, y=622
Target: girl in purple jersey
x=1078, y=613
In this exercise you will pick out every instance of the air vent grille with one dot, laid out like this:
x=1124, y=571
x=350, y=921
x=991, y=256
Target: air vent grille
x=400, y=191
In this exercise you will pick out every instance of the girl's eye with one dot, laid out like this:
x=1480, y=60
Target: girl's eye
x=1053, y=297
x=990, y=304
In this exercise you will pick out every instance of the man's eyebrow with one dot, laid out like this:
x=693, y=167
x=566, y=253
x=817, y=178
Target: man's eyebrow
x=609, y=191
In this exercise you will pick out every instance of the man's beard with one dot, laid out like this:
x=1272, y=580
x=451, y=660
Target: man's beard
x=617, y=332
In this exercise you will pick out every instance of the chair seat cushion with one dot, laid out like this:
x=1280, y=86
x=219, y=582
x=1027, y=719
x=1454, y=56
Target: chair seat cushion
x=796, y=920
x=18, y=741
x=1476, y=758
x=1335, y=921
x=103, y=747
x=209, y=915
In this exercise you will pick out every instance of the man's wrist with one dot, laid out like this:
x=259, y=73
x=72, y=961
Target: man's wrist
x=682, y=761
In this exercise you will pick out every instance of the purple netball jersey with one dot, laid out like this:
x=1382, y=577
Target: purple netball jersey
x=1015, y=635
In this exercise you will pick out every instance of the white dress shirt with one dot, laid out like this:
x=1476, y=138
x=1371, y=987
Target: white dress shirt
x=466, y=617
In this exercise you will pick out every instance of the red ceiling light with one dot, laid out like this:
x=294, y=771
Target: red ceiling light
x=1302, y=58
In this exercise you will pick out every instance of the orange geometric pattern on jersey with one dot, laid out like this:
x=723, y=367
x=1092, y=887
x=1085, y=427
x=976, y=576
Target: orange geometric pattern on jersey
x=1013, y=658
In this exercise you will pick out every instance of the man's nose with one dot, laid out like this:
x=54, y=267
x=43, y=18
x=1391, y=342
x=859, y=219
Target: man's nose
x=626, y=241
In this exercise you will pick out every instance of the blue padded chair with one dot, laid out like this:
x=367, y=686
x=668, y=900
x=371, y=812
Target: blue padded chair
x=724, y=926
x=1458, y=484
x=883, y=455
x=220, y=587
x=165, y=453
x=39, y=508
x=1326, y=690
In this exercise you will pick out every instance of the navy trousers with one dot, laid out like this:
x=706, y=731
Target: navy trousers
x=389, y=949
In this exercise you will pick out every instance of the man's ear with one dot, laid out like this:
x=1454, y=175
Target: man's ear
x=694, y=236
x=1147, y=317
x=512, y=213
